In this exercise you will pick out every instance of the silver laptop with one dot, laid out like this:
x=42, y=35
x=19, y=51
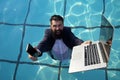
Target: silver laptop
x=96, y=55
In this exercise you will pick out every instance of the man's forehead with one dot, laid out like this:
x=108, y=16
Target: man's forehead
x=56, y=22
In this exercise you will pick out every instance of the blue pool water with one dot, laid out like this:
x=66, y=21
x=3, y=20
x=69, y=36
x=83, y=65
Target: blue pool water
x=24, y=21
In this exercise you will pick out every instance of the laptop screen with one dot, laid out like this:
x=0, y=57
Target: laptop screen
x=106, y=31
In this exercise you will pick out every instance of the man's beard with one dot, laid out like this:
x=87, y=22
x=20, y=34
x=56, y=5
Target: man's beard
x=56, y=35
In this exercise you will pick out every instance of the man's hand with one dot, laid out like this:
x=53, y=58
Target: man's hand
x=32, y=57
x=87, y=42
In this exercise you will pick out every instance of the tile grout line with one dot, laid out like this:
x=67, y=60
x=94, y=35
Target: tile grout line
x=59, y=70
x=50, y=65
x=43, y=25
x=64, y=11
x=106, y=74
x=21, y=45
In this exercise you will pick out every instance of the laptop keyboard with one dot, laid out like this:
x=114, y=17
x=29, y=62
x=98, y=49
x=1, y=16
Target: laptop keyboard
x=91, y=55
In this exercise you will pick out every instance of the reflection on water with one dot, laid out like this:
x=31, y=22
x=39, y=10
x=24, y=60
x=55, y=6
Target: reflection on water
x=77, y=13
x=82, y=13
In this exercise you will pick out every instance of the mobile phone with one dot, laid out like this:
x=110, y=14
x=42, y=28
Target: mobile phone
x=32, y=51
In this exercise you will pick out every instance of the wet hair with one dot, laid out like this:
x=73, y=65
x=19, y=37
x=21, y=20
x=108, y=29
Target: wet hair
x=56, y=18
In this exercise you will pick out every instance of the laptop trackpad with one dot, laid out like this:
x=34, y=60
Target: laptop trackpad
x=76, y=59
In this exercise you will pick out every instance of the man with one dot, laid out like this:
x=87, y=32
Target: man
x=58, y=40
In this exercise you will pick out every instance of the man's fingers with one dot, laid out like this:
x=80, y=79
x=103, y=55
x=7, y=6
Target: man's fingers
x=32, y=58
x=88, y=42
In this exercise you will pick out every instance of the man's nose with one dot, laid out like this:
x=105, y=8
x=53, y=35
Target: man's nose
x=57, y=28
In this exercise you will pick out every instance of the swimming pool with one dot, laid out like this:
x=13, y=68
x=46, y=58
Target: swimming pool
x=23, y=22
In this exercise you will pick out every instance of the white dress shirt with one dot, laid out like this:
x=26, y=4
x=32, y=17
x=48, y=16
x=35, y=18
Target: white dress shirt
x=60, y=51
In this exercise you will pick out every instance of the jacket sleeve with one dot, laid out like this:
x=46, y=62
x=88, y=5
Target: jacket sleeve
x=46, y=43
x=73, y=39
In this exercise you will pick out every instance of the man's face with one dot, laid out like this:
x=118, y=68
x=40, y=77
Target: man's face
x=57, y=27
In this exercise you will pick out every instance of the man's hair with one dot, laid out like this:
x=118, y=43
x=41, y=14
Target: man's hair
x=56, y=18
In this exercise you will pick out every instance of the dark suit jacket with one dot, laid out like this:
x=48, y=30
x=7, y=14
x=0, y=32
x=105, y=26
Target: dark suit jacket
x=68, y=38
